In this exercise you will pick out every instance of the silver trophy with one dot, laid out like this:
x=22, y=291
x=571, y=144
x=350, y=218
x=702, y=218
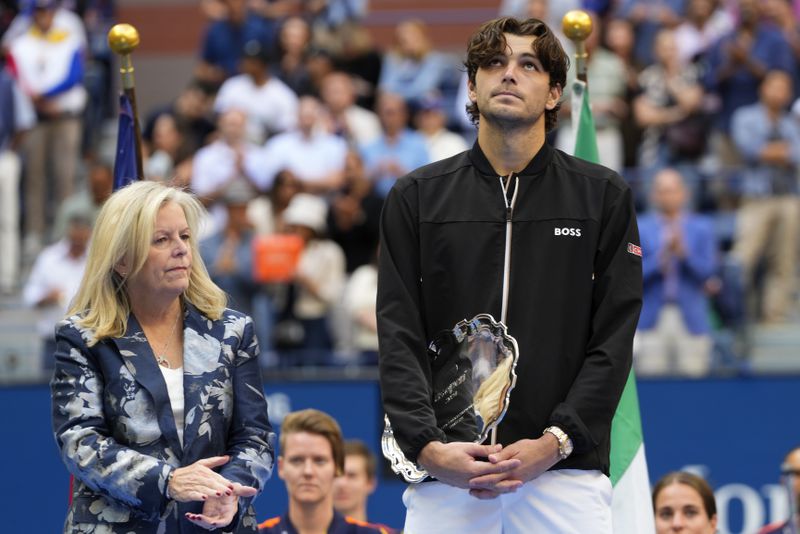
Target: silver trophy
x=474, y=370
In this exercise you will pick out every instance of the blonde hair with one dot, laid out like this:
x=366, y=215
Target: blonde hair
x=124, y=231
x=489, y=400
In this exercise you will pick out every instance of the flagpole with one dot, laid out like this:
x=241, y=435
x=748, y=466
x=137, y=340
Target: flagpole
x=123, y=40
x=577, y=26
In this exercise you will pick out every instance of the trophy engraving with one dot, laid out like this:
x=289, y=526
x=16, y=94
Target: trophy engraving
x=474, y=370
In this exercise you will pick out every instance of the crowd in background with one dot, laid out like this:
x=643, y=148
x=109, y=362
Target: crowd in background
x=294, y=127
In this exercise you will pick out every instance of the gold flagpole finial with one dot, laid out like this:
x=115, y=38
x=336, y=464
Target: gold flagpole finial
x=123, y=39
x=577, y=26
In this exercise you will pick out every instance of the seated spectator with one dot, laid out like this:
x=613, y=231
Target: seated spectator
x=317, y=286
x=331, y=20
x=228, y=253
x=294, y=39
x=226, y=37
x=620, y=40
x=398, y=151
x=169, y=147
x=412, y=69
x=684, y=502
x=357, y=125
x=359, y=303
x=768, y=140
x=735, y=67
x=228, y=160
x=790, y=476
x=311, y=457
x=87, y=200
x=314, y=156
x=648, y=17
x=669, y=110
x=354, y=216
x=359, y=58
x=54, y=280
x=780, y=15
x=705, y=23
x=431, y=121
x=359, y=480
x=266, y=210
x=679, y=257
x=191, y=111
x=269, y=104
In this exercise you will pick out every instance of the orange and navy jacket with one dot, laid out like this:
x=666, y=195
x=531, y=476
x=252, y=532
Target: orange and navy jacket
x=339, y=525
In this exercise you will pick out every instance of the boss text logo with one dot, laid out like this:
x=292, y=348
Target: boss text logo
x=574, y=232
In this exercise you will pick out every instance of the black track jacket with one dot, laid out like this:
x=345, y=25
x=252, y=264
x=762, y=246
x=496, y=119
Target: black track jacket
x=574, y=299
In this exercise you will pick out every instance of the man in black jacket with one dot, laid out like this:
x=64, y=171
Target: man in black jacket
x=548, y=243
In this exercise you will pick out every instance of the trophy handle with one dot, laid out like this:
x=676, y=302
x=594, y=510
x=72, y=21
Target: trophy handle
x=411, y=472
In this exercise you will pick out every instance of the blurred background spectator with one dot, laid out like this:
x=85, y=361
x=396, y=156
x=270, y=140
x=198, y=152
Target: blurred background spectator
x=48, y=61
x=357, y=125
x=736, y=64
x=230, y=161
x=88, y=199
x=294, y=41
x=302, y=329
x=54, y=280
x=398, y=150
x=413, y=68
x=431, y=121
x=679, y=256
x=359, y=480
x=269, y=104
x=312, y=154
x=228, y=252
x=768, y=140
x=226, y=36
x=668, y=109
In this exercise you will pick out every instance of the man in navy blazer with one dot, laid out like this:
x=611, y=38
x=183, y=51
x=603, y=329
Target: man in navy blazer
x=679, y=256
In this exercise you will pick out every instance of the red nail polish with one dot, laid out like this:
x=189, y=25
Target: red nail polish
x=204, y=497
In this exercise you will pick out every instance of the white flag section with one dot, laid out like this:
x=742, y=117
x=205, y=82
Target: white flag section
x=632, y=509
x=631, y=505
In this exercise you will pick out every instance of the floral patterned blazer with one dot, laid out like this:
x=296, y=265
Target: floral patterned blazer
x=114, y=424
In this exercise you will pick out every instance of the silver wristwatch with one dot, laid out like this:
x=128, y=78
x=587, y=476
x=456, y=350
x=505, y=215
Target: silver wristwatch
x=564, y=443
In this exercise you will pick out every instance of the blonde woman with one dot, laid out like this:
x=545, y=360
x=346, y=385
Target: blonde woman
x=157, y=399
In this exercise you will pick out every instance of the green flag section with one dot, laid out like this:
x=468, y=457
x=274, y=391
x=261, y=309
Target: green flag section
x=631, y=507
x=626, y=431
x=585, y=138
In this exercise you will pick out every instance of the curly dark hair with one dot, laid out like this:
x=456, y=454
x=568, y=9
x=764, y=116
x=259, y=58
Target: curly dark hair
x=490, y=40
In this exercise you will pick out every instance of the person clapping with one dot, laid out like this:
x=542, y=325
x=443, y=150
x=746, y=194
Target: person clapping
x=157, y=401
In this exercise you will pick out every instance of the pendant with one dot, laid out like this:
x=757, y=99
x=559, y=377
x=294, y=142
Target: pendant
x=163, y=362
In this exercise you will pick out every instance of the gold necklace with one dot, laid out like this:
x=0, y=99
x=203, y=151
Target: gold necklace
x=162, y=358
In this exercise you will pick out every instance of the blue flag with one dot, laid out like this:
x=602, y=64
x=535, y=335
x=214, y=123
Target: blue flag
x=125, y=170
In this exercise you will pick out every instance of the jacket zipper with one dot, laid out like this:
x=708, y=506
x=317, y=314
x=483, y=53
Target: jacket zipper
x=504, y=184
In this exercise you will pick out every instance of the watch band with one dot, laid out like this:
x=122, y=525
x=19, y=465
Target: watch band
x=564, y=443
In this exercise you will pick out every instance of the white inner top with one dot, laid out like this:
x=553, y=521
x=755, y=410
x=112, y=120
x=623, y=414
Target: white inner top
x=174, y=380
